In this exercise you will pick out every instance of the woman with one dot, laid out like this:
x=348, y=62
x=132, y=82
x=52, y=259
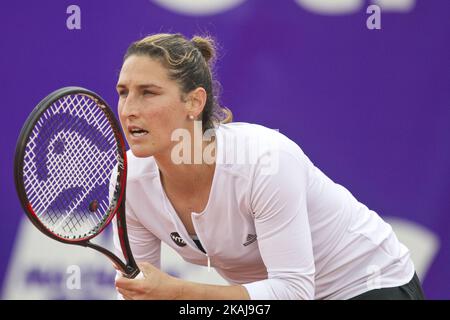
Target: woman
x=241, y=198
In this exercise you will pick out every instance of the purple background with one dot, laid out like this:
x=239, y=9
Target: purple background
x=371, y=108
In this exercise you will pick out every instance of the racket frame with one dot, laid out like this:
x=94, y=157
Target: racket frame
x=130, y=268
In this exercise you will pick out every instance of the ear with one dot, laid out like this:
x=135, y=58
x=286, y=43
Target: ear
x=196, y=101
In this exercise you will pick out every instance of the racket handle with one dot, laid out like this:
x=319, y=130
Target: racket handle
x=140, y=276
x=132, y=273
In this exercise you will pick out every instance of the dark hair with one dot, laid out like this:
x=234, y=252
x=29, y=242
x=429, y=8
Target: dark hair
x=189, y=62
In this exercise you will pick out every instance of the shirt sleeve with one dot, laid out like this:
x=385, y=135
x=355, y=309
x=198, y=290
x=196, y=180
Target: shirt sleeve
x=278, y=201
x=145, y=246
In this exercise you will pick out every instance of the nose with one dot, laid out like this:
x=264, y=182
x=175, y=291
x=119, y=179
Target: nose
x=128, y=107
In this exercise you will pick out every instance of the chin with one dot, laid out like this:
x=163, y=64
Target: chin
x=139, y=152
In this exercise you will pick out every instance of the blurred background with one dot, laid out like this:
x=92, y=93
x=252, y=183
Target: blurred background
x=362, y=86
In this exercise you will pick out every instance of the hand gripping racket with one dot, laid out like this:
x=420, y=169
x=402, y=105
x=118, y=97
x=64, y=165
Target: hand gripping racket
x=70, y=171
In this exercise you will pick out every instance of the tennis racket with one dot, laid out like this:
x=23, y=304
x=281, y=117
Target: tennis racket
x=70, y=171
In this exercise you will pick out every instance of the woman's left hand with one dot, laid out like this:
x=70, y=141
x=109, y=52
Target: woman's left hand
x=155, y=285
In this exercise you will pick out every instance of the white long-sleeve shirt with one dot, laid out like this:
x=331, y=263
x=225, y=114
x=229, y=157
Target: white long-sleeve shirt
x=273, y=223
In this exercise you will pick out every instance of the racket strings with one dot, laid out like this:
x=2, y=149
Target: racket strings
x=45, y=189
x=76, y=221
x=70, y=167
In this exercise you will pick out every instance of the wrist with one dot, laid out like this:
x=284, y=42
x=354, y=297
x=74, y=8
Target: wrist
x=177, y=289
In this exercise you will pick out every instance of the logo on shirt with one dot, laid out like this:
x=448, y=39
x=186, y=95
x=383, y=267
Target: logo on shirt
x=250, y=239
x=177, y=239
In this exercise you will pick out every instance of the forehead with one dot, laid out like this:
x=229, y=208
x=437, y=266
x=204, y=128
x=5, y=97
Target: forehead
x=137, y=69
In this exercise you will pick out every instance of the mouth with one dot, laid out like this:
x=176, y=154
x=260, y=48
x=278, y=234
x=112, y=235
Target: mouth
x=137, y=131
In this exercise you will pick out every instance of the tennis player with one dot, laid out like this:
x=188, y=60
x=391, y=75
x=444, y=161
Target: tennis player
x=238, y=197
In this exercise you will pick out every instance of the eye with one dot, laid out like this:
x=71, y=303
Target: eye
x=122, y=93
x=148, y=93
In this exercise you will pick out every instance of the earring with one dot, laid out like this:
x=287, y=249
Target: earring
x=191, y=117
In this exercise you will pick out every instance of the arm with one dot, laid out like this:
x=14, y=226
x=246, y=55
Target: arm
x=284, y=240
x=191, y=290
x=278, y=200
x=159, y=285
x=146, y=250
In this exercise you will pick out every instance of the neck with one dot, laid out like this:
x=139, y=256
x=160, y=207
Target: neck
x=194, y=173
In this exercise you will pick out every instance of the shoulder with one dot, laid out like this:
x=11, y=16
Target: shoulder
x=140, y=167
x=245, y=141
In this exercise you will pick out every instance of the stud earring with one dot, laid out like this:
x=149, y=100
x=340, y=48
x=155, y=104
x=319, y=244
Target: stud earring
x=191, y=117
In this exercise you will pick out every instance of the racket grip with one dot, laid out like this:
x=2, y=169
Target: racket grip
x=133, y=273
x=140, y=275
